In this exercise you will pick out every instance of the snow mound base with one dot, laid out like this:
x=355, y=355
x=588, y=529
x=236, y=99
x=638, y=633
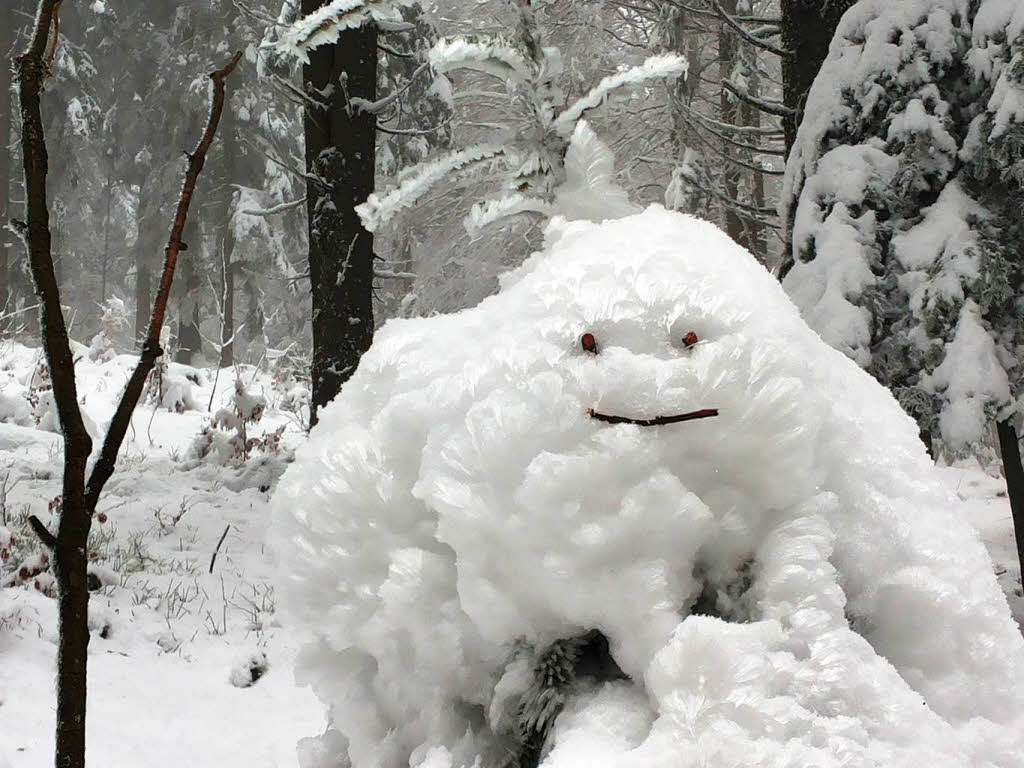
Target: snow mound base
x=489, y=573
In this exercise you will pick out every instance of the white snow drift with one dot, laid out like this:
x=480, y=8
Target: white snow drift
x=457, y=510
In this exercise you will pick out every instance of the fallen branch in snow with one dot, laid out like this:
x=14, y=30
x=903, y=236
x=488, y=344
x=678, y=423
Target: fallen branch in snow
x=217, y=548
x=657, y=421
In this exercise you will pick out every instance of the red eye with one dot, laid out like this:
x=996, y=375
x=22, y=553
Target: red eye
x=589, y=343
x=689, y=339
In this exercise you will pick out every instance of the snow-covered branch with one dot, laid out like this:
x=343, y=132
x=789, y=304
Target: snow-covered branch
x=378, y=210
x=666, y=65
x=323, y=26
x=496, y=57
x=776, y=108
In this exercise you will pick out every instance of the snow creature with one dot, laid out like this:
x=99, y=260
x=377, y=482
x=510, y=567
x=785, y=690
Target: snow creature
x=492, y=572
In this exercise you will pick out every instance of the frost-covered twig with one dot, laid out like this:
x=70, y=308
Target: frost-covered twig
x=324, y=25
x=776, y=108
x=757, y=42
x=274, y=209
x=378, y=210
x=495, y=57
x=665, y=65
x=483, y=214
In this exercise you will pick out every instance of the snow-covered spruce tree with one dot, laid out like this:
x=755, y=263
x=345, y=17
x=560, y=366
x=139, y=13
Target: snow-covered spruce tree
x=554, y=162
x=904, y=190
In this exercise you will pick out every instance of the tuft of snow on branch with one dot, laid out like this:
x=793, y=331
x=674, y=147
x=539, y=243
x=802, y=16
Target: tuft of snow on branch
x=494, y=56
x=484, y=214
x=323, y=26
x=665, y=65
x=378, y=210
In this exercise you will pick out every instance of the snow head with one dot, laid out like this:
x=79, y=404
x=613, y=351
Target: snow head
x=490, y=572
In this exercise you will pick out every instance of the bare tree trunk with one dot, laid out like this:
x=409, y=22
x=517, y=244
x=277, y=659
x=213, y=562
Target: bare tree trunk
x=754, y=236
x=143, y=275
x=78, y=499
x=728, y=58
x=226, y=243
x=109, y=193
x=1009, y=446
x=7, y=35
x=227, y=276
x=340, y=153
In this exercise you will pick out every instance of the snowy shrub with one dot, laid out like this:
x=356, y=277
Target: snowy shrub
x=904, y=191
x=15, y=409
x=170, y=386
x=226, y=439
x=114, y=331
x=494, y=572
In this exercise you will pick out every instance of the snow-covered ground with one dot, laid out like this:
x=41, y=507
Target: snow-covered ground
x=171, y=642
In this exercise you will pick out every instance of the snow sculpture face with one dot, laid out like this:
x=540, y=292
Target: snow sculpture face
x=457, y=511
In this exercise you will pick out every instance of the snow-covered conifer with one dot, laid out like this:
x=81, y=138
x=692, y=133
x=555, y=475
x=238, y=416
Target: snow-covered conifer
x=903, y=194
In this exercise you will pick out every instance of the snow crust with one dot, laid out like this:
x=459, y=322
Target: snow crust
x=457, y=504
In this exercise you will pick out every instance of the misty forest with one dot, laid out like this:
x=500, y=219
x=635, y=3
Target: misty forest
x=512, y=383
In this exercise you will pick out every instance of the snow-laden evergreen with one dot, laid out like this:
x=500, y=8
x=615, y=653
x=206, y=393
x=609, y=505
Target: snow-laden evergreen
x=904, y=191
x=491, y=576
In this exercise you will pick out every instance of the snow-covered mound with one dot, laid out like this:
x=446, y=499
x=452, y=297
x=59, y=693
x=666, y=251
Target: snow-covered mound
x=785, y=584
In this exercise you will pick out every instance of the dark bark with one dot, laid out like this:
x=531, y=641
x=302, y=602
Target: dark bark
x=728, y=55
x=1009, y=446
x=108, y=193
x=70, y=547
x=78, y=500
x=7, y=34
x=226, y=243
x=807, y=30
x=143, y=257
x=340, y=153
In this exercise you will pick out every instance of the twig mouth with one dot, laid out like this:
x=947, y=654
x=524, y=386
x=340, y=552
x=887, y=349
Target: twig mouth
x=657, y=421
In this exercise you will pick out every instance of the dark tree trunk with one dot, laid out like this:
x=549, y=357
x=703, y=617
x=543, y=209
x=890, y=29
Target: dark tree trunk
x=728, y=56
x=340, y=152
x=226, y=244
x=143, y=273
x=807, y=30
x=1009, y=446
x=7, y=29
x=189, y=285
x=227, y=276
x=109, y=193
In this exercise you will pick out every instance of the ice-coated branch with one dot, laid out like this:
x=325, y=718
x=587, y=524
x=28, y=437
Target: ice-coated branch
x=376, y=107
x=769, y=107
x=415, y=182
x=484, y=214
x=275, y=209
x=755, y=41
x=324, y=25
x=495, y=56
x=665, y=65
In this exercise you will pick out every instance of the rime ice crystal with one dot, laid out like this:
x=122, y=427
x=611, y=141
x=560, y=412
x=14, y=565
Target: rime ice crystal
x=457, y=503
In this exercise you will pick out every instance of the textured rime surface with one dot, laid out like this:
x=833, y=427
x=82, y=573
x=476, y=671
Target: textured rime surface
x=456, y=502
